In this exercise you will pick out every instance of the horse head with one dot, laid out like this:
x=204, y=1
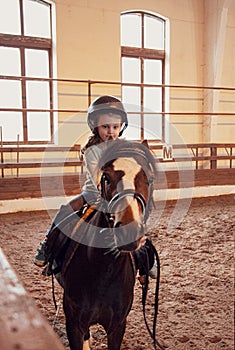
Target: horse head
x=126, y=185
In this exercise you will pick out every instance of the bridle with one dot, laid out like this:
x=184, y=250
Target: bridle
x=108, y=207
x=127, y=193
x=111, y=203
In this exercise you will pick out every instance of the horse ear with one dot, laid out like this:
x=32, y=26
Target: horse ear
x=145, y=143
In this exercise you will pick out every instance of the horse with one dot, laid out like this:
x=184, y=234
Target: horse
x=98, y=272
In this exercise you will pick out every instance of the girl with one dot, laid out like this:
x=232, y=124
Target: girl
x=107, y=120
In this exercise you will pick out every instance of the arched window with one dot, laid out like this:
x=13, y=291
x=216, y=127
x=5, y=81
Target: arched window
x=143, y=51
x=26, y=51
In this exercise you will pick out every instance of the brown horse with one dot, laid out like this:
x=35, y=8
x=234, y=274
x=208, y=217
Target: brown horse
x=98, y=274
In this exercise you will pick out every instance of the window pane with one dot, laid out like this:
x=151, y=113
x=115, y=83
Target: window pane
x=37, y=19
x=10, y=96
x=153, y=99
x=37, y=94
x=9, y=61
x=153, y=126
x=12, y=125
x=133, y=130
x=152, y=71
x=153, y=33
x=130, y=70
x=37, y=64
x=131, y=30
x=38, y=126
x=10, y=17
x=131, y=98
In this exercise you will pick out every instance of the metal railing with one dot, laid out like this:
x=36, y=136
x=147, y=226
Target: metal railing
x=183, y=101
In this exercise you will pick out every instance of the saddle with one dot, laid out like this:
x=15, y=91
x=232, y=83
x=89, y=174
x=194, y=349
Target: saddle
x=60, y=246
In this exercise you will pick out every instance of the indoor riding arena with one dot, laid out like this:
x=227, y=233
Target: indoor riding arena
x=170, y=64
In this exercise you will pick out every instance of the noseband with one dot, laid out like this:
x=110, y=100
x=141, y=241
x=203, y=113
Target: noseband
x=127, y=193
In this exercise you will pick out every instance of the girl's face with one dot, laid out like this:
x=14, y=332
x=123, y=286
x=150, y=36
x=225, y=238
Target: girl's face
x=109, y=126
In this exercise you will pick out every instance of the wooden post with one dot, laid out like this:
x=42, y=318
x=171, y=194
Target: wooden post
x=21, y=324
x=18, y=154
x=2, y=159
x=213, y=161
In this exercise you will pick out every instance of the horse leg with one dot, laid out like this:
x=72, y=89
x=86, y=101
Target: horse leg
x=115, y=338
x=74, y=334
x=75, y=337
x=77, y=340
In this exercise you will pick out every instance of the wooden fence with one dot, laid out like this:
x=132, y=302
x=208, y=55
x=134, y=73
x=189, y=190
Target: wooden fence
x=28, y=157
x=59, y=170
x=195, y=165
x=22, y=325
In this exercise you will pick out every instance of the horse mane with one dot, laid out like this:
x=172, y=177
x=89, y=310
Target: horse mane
x=129, y=149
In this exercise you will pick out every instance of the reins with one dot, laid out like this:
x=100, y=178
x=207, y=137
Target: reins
x=53, y=291
x=145, y=285
x=110, y=206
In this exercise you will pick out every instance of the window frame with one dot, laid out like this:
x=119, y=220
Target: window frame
x=143, y=53
x=23, y=42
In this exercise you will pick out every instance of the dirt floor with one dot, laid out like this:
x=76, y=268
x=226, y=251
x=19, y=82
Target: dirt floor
x=197, y=276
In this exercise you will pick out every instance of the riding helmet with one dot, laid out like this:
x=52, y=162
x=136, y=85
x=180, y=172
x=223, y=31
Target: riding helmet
x=106, y=104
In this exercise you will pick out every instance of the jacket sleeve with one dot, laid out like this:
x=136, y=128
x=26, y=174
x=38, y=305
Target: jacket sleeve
x=91, y=160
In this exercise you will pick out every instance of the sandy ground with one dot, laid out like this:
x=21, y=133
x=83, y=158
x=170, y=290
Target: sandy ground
x=197, y=276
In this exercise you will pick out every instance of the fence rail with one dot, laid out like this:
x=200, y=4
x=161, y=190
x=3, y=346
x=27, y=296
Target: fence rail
x=86, y=90
x=44, y=157
x=180, y=166
x=197, y=153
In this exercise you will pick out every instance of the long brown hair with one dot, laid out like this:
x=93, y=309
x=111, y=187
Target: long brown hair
x=94, y=139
